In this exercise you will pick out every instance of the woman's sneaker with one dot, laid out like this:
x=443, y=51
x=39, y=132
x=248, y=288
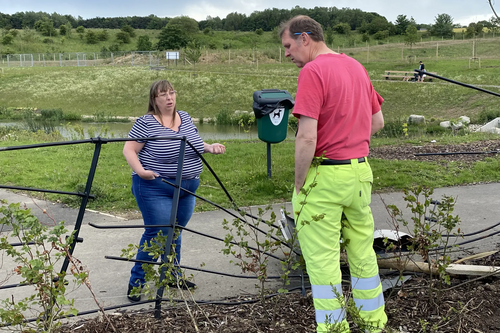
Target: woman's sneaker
x=133, y=296
x=183, y=284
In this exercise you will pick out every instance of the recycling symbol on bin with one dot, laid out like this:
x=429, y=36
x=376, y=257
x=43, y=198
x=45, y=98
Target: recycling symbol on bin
x=277, y=116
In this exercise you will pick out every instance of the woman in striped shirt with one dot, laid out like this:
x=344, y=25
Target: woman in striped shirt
x=152, y=160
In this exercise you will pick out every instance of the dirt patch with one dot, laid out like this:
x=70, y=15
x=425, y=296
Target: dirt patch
x=467, y=305
x=470, y=307
x=473, y=151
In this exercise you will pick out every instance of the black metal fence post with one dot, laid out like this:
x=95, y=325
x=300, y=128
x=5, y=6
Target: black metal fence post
x=83, y=205
x=171, y=230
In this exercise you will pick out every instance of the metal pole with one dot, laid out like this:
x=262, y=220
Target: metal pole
x=85, y=199
x=459, y=83
x=268, y=160
x=170, y=236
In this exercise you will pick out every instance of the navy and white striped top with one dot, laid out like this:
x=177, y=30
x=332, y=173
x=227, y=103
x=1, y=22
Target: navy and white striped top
x=161, y=156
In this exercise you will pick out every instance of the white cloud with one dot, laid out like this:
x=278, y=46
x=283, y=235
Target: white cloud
x=200, y=10
x=465, y=20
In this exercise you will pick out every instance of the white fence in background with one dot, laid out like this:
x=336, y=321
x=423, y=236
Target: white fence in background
x=129, y=58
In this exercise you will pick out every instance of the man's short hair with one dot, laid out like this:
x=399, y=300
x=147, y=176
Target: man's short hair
x=302, y=23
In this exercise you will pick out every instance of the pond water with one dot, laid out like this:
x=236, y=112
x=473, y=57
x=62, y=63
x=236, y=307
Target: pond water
x=120, y=130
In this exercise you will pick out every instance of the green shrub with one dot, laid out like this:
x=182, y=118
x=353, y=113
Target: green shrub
x=435, y=129
x=380, y=35
x=144, y=44
x=123, y=37
x=8, y=51
x=103, y=35
x=129, y=30
x=5, y=113
x=56, y=114
x=91, y=37
x=72, y=116
x=223, y=117
x=392, y=129
x=486, y=116
x=13, y=32
x=7, y=39
x=114, y=48
x=34, y=123
x=63, y=30
x=7, y=131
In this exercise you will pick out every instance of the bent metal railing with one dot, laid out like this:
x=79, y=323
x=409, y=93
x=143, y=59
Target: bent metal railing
x=86, y=195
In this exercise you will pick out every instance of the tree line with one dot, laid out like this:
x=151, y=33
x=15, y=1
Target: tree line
x=330, y=17
x=267, y=20
x=183, y=31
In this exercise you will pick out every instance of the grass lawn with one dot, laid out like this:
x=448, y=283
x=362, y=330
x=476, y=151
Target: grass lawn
x=208, y=90
x=242, y=170
x=123, y=91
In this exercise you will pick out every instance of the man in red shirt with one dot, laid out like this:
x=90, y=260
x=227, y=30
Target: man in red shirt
x=338, y=111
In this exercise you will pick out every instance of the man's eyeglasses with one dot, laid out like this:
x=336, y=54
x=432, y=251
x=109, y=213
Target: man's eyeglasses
x=300, y=33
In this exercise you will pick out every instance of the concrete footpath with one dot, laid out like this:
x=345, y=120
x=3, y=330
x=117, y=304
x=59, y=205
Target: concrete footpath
x=477, y=206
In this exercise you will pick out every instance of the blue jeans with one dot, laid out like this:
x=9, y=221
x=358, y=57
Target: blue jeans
x=154, y=199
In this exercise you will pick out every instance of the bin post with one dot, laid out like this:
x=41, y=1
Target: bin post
x=269, y=160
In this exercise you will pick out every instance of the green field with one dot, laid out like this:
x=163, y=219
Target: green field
x=209, y=89
x=206, y=90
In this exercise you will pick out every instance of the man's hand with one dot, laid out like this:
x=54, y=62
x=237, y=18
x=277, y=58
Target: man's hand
x=305, y=147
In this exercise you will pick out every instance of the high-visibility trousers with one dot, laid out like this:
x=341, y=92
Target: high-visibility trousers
x=340, y=189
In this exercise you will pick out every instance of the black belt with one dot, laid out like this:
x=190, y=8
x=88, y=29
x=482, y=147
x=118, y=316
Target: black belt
x=340, y=162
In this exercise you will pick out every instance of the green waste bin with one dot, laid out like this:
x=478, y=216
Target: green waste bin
x=271, y=107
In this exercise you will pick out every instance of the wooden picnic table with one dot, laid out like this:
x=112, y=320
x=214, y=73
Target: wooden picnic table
x=405, y=75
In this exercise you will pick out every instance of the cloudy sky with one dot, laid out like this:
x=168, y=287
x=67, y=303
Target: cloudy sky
x=423, y=11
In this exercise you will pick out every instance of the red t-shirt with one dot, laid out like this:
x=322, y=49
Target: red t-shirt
x=335, y=90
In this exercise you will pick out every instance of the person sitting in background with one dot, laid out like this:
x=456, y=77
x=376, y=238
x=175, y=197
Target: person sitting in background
x=421, y=75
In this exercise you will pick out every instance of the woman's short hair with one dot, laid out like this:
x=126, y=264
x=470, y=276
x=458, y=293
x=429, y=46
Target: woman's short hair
x=157, y=87
x=300, y=24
